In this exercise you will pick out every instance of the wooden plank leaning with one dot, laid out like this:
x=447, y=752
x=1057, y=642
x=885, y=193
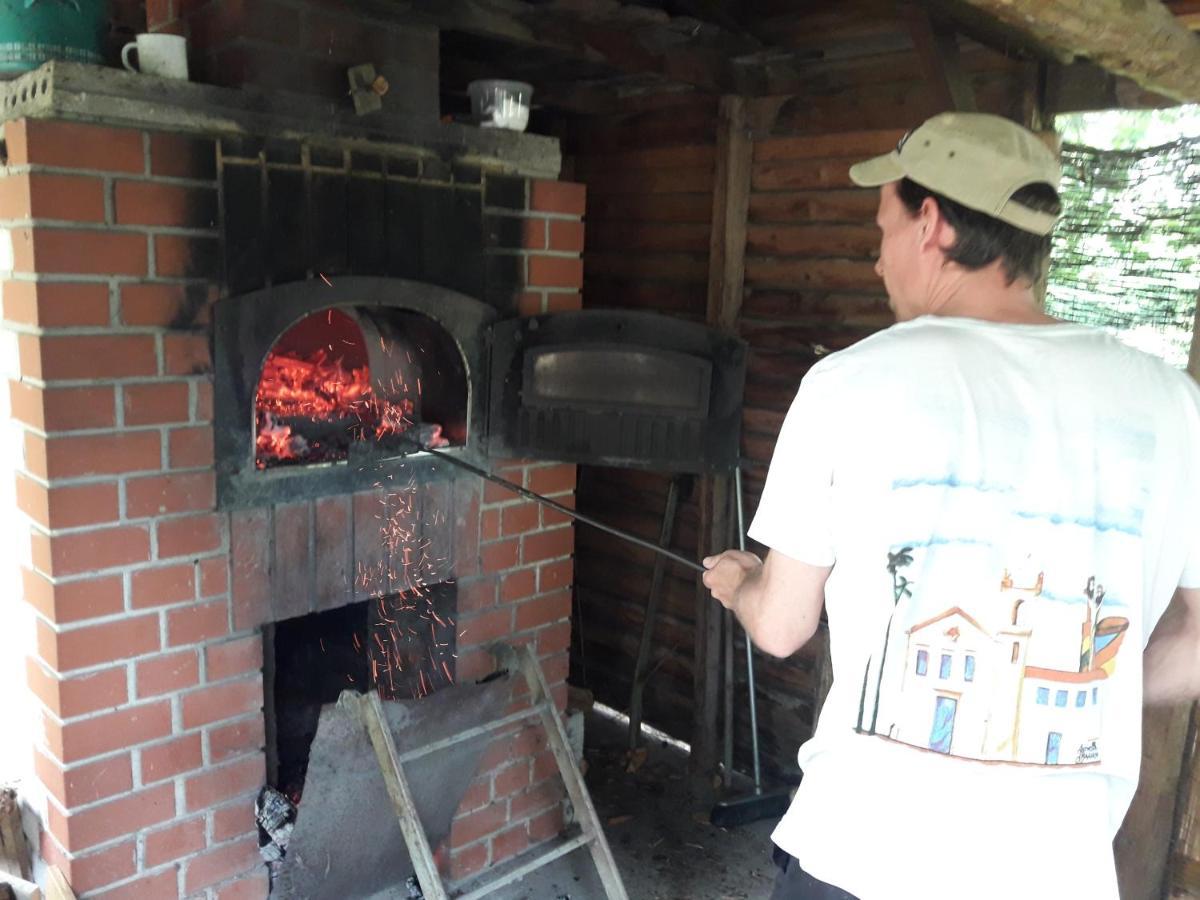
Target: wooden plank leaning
x=543, y=701
x=370, y=712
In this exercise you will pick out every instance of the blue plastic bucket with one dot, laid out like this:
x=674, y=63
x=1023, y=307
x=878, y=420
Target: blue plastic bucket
x=35, y=31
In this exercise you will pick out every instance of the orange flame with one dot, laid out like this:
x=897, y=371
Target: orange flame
x=323, y=389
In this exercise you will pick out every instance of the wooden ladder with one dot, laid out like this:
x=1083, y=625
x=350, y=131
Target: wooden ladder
x=369, y=710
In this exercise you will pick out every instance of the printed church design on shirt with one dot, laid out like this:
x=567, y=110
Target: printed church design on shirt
x=1024, y=685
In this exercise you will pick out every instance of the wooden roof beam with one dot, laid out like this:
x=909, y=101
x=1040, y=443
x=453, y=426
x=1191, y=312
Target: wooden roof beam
x=1140, y=39
x=937, y=49
x=630, y=39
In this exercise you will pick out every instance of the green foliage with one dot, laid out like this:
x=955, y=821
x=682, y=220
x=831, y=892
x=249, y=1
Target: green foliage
x=1129, y=129
x=1126, y=255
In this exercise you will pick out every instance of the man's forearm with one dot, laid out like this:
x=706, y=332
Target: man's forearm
x=777, y=601
x=779, y=625
x=748, y=606
x=1171, y=664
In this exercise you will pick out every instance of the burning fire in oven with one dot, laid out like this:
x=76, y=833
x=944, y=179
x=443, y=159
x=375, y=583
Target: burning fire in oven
x=317, y=394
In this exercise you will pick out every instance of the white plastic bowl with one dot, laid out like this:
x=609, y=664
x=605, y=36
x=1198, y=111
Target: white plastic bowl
x=500, y=104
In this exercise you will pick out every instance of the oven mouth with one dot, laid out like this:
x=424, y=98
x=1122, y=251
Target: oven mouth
x=315, y=384
x=423, y=364
x=341, y=378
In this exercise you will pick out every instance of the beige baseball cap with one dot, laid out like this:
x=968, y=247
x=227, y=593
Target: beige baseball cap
x=976, y=159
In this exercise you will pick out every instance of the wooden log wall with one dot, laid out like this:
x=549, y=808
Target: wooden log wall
x=650, y=181
x=810, y=288
x=1184, y=860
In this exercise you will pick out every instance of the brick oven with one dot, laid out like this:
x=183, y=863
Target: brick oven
x=129, y=214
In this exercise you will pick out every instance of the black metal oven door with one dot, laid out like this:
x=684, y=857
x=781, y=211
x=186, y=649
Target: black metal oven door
x=616, y=388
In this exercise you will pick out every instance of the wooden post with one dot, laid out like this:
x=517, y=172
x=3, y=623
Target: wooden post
x=731, y=208
x=714, y=492
x=14, y=850
x=1143, y=843
x=1053, y=140
x=1183, y=863
x=726, y=276
x=1155, y=844
x=937, y=50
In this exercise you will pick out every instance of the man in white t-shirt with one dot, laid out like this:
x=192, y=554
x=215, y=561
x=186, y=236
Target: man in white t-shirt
x=995, y=509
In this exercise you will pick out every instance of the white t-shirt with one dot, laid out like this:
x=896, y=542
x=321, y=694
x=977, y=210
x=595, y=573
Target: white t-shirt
x=1008, y=510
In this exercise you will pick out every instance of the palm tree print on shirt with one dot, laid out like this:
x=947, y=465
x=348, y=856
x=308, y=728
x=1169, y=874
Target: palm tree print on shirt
x=901, y=588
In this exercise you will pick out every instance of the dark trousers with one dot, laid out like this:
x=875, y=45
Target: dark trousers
x=793, y=883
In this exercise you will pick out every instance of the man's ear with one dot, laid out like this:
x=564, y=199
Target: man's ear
x=936, y=232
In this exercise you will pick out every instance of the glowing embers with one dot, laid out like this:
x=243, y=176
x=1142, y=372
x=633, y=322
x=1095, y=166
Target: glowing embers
x=341, y=379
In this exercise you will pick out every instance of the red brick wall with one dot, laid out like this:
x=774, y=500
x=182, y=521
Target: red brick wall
x=521, y=591
x=146, y=666
x=151, y=725
x=541, y=229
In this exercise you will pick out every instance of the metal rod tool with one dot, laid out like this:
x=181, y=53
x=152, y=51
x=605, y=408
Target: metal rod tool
x=761, y=804
x=741, y=538
x=546, y=501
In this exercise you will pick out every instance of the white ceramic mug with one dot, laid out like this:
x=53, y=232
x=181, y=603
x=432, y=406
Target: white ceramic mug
x=164, y=55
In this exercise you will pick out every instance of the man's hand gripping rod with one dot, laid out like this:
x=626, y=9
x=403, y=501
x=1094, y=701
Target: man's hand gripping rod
x=546, y=501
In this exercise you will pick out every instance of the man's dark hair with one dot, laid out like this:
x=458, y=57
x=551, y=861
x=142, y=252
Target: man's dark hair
x=982, y=239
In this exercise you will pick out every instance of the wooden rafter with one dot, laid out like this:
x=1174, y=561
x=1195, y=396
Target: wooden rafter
x=937, y=49
x=1140, y=39
x=805, y=51
x=631, y=39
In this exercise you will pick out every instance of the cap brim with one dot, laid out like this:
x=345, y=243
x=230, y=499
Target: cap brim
x=877, y=171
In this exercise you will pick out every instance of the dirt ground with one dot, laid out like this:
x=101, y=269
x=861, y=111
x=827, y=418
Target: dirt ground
x=664, y=846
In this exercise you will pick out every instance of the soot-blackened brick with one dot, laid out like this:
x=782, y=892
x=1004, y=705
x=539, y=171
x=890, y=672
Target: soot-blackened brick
x=287, y=250
x=328, y=224
x=403, y=230
x=242, y=146
x=466, y=235
x=467, y=174
x=505, y=276
x=366, y=162
x=284, y=152
x=367, y=227
x=243, y=228
x=403, y=167
x=435, y=170
x=188, y=257
x=435, y=209
x=328, y=157
x=503, y=191
x=182, y=157
x=507, y=232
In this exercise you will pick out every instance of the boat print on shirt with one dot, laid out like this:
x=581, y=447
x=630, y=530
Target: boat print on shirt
x=1018, y=678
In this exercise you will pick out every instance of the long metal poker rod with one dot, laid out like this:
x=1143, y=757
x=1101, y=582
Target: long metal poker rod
x=546, y=501
x=741, y=536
